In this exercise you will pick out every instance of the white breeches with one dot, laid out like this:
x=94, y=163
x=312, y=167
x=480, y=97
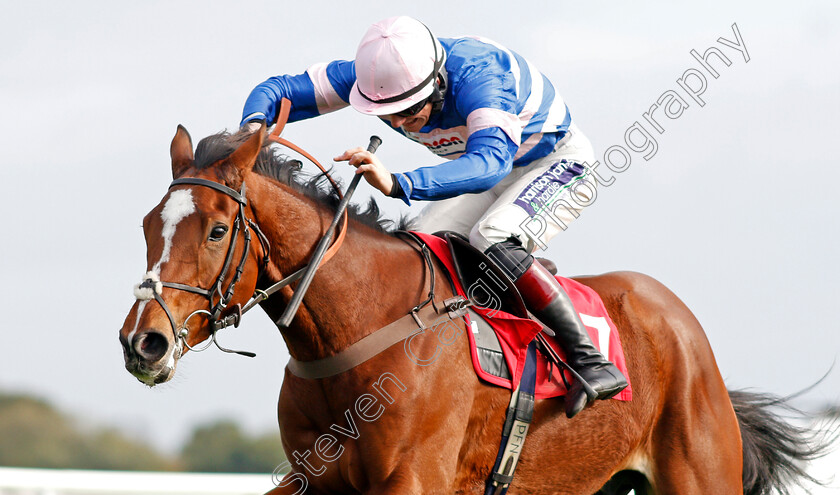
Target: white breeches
x=533, y=203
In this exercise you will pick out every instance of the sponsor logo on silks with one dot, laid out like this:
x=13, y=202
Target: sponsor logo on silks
x=441, y=145
x=449, y=142
x=544, y=189
x=444, y=144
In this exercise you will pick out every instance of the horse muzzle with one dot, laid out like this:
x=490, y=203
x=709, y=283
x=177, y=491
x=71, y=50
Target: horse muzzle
x=151, y=357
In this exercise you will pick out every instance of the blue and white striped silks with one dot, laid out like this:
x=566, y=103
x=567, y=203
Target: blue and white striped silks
x=499, y=112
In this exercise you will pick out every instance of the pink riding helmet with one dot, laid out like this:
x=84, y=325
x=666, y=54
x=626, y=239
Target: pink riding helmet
x=396, y=65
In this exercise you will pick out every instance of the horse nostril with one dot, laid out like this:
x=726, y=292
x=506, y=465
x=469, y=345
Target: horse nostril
x=151, y=346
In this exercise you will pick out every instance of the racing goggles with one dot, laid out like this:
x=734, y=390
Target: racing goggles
x=413, y=109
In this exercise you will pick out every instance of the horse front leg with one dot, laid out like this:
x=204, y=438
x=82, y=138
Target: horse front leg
x=420, y=477
x=294, y=483
x=417, y=467
x=406, y=482
x=420, y=445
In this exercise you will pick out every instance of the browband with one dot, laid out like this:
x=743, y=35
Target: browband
x=237, y=196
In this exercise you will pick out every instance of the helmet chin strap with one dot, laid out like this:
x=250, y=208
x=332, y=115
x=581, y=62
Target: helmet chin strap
x=439, y=91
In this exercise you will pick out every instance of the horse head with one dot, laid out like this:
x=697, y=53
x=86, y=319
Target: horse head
x=199, y=249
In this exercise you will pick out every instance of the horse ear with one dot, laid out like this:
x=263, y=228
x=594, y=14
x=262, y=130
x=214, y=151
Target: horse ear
x=244, y=158
x=181, y=151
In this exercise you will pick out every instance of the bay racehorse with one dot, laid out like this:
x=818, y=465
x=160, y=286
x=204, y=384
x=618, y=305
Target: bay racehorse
x=391, y=426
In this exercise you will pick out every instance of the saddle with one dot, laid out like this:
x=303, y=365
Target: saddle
x=489, y=286
x=501, y=328
x=504, y=340
x=485, y=283
x=483, y=278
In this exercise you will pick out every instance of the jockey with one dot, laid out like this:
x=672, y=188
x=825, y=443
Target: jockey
x=516, y=174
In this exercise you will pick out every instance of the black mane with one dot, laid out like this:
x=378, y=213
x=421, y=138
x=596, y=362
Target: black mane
x=273, y=164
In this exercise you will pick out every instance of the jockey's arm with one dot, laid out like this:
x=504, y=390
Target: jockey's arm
x=487, y=160
x=321, y=89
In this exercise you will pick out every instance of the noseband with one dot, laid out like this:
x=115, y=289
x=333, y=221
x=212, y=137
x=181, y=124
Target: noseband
x=216, y=291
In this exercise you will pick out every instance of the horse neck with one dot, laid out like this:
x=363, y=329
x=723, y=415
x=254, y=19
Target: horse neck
x=372, y=280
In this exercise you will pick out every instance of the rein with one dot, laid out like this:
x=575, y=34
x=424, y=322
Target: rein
x=282, y=118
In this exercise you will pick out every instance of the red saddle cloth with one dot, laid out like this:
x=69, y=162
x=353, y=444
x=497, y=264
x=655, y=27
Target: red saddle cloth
x=516, y=333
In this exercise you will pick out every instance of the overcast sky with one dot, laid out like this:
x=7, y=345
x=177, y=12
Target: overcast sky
x=736, y=212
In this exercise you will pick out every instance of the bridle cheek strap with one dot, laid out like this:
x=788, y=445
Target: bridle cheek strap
x=219, y=315
x=214, y=315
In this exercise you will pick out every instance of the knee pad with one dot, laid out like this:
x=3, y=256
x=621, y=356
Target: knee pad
x=511, y=256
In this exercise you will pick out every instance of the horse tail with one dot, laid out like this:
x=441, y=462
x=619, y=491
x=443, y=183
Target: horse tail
x=775, y=451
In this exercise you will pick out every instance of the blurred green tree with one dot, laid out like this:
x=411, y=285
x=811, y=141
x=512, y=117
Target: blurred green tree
x=34, y=434
x=221, y=446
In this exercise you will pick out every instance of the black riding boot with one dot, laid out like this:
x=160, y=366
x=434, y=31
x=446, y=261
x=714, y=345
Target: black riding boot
x=546, y=299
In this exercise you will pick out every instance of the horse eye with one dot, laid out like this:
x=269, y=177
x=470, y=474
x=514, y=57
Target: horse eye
x=218, y=233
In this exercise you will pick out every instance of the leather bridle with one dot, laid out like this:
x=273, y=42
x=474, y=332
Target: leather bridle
x=219, y=315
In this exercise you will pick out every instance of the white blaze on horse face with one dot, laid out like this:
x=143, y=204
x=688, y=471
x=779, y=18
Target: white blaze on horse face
x=179, y=206
x=140, y=308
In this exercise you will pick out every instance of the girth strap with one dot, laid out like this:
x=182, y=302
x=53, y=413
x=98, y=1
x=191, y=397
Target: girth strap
x=520, y=413
x=377, y=342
